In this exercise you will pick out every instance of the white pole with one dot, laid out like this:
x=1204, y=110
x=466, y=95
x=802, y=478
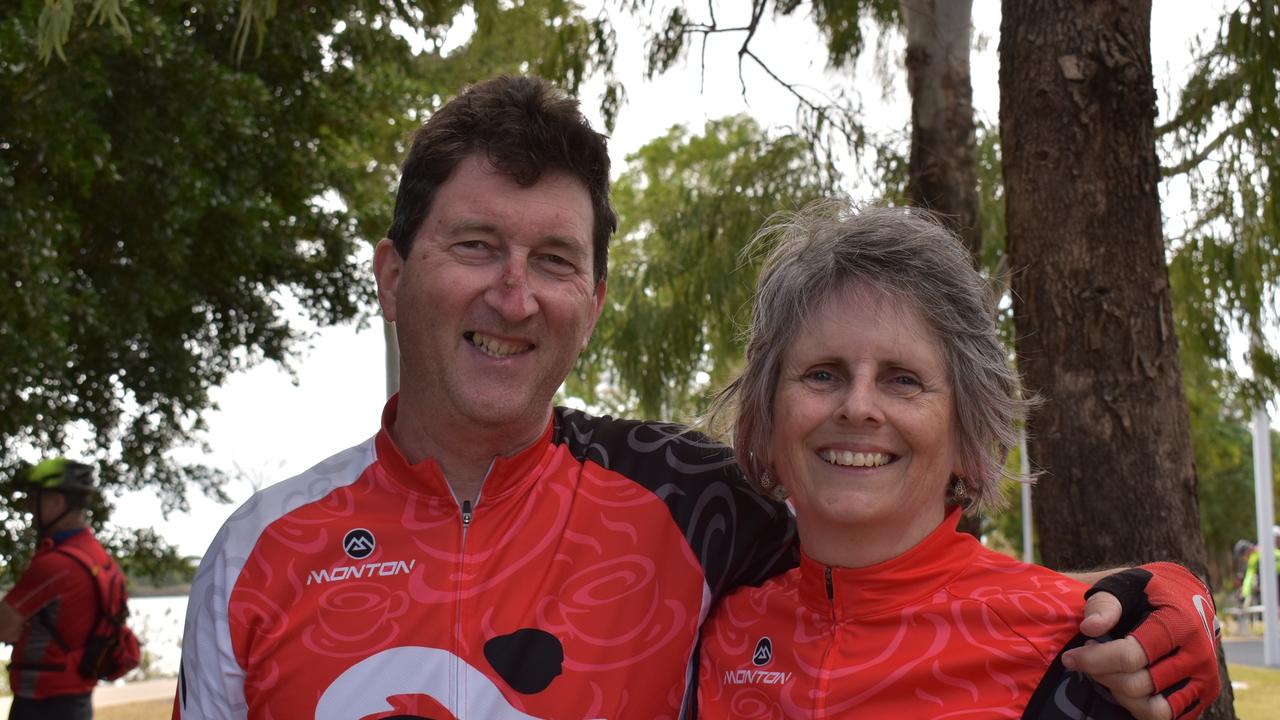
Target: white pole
x=1266, y=538
x=393, y=357
x=1028, y=550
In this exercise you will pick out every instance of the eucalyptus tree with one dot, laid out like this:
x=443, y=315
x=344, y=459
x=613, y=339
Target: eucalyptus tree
x=678, y=283
x=1092, y=303
x=182, y=195
x=1224, y=138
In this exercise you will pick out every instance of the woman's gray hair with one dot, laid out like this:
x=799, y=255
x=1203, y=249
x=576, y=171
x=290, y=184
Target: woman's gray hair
x=906, y=254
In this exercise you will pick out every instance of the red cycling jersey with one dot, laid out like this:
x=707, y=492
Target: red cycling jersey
x=574, y=588
x=947, y=629
x=56, y=597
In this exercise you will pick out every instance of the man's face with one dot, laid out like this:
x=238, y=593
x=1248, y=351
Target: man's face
x=45, y=507
x=496, y=299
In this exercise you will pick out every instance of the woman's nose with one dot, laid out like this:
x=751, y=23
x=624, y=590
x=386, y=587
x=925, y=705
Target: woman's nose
x=861, y=403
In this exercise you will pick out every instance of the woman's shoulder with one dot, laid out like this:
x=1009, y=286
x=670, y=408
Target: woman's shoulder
x=1042, y=606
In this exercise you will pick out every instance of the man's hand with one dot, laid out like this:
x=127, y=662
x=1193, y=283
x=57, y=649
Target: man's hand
x=10, y=624
x=1167, y=666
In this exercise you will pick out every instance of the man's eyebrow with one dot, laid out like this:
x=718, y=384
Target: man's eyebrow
x=560, y=242
x=472, y=226
x=563, y=243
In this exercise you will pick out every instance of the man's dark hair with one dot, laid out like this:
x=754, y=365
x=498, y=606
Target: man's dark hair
x=524, y=127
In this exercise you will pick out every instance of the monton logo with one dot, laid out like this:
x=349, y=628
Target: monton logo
x=367, y=570
x=359, y=544
x=756, y=677
x=763, y=653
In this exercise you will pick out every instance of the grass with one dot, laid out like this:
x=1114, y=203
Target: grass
x=1257, y=691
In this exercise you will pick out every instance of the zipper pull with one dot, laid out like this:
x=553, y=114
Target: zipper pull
x=466, y=519
x=831, y=590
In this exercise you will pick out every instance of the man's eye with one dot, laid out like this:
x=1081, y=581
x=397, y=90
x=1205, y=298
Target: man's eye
x=471, y=247
x=558, y=264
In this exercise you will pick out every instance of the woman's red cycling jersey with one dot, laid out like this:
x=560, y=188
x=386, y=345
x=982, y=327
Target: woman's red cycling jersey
x=948, y=629
x=574, y=588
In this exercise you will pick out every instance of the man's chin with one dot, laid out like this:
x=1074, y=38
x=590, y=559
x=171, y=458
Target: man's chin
x=496, y=413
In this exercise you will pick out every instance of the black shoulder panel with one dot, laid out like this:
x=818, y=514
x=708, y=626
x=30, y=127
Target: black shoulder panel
x=739, y=536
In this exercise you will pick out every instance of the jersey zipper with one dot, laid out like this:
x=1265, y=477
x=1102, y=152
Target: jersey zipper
x=824, y=673
x=458, y=690
x=466, y=512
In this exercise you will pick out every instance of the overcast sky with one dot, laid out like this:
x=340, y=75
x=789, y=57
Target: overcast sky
x=269, y=428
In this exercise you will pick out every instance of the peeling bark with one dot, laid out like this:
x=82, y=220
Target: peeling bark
x=1091, y=291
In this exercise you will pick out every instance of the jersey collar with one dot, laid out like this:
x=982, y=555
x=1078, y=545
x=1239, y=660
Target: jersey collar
x=858, y=593
x=507, y=474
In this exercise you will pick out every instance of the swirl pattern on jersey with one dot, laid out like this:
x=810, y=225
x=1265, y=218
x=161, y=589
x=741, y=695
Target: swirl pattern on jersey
x=575, y=590
x=948, y=629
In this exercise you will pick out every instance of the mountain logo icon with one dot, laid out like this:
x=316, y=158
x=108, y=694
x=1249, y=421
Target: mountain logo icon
x=763, y=653
x=358, y=544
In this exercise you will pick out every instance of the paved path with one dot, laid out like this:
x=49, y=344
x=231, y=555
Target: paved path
x=159, y=689
x=1243, y=651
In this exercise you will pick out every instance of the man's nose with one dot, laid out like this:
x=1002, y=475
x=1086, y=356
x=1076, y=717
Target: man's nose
x=511, y=295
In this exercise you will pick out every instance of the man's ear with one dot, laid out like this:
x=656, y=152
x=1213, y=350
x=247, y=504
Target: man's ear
x=60, y=503
x=595, y=315
x=387, y=266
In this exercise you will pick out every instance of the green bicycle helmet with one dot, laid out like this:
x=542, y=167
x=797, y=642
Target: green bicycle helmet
x=68, y=478
x=60, y=475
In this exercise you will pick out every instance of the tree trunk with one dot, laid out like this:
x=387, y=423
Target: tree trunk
x=1095, y=335
x=942, y=173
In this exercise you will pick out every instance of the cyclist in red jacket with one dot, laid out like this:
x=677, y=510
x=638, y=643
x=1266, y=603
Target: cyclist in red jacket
x=50, y=614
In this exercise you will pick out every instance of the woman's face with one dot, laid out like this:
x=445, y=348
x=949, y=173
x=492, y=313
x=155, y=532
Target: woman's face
x=863, y=433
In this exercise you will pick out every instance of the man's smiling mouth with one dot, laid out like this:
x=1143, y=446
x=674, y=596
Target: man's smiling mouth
x=493, y=347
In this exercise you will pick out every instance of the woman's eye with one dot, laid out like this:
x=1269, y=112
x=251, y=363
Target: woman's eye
x=820, y=376
x=906, y=380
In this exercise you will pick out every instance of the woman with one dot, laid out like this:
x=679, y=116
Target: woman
x=878, y=398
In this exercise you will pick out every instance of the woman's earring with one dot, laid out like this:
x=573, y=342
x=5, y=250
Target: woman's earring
x=766, y=481
x=958, y=488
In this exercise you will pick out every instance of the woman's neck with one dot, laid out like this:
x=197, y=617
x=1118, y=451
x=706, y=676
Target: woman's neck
x=857, y=545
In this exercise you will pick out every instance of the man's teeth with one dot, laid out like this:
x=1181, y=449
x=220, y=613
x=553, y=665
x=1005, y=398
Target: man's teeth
x=854, y=459
x=497, y=348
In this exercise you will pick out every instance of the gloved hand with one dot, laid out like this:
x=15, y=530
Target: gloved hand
x=1172, y=629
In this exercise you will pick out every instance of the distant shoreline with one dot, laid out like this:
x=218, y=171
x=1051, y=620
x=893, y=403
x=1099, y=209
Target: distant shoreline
x=162, y=591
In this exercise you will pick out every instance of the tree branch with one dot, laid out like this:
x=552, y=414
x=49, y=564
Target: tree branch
x=1204, y=152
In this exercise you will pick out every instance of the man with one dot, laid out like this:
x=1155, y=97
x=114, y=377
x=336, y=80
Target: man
x=1251, y=585
x=50, y=614
x=486, y=555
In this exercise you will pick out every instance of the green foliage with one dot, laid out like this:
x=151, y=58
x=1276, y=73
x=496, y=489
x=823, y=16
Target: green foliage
x=678, y=292
x=1223, y=443
x=167, y=204
x=840, y=22
x=1226, y=137
x=145, y=556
